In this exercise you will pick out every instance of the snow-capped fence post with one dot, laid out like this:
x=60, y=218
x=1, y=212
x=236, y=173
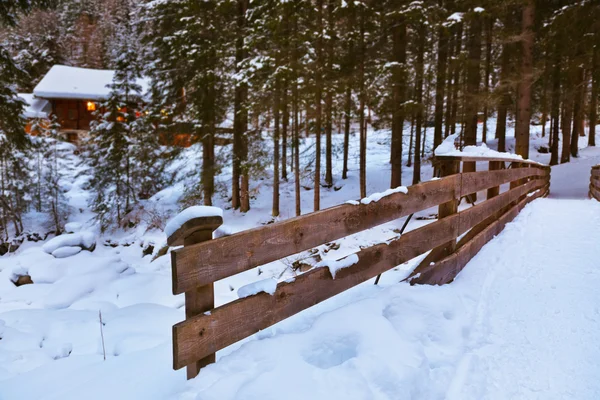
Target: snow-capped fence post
x=195, y=225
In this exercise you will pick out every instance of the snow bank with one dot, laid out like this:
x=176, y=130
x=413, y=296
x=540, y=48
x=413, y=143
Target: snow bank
x=189, y=214
x=448, y=148
x=335, y=265
x=83, y=240
x=66, y=251
x=68, y=240
x=72, y=227
x=266, y=285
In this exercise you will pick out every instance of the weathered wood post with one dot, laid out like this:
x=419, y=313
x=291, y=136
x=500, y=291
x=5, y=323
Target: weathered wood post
x=448, y=166
x=202, y=299
x=494, y=191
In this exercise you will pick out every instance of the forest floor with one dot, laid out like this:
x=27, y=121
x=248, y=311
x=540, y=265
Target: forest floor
x=494, y=333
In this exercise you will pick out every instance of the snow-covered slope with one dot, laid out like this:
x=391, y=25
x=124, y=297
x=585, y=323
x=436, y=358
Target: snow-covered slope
x=389, y=341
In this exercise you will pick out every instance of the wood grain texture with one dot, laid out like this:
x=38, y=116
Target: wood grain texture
x=205, y=334
x=208, y=262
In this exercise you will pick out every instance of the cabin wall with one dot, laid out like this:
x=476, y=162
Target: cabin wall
x=72, y=114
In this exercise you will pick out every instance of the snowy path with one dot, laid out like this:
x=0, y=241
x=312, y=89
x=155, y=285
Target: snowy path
x=571, y=180
x=538, y=317
x=520, y=322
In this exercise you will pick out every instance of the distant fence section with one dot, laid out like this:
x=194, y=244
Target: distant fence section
x=454, y=238
x=595, y=183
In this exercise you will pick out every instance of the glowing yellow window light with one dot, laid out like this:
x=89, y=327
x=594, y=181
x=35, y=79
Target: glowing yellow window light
x=91, y=106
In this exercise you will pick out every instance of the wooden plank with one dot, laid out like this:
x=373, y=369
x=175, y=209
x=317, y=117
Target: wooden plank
x=221, y=258
x=478, y=181
x=205, y=334
x=205, y=263
x=487, y=159
x=495, y=190
x=446, y=270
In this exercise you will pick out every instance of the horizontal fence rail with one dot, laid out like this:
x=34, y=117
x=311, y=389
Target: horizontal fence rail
x=203, y=261
x=595, y=183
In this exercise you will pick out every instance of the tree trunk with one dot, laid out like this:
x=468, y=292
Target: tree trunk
x=578, y=114
x=488, y=70
x=276, y=111
x=594, y=97
x=295, y=112
x=318, y=114
x=456, y=80
x=440, y=84
x=449, y=86
x=363, y=124
x=398, y=96
x=473, y=81
x=347, y=120
x=329, y=99
x=284, y=130
x=240, y=114
x=419, y=92
x=525, y=81
x=567, y=119
x=503, y=93
x=411, y=140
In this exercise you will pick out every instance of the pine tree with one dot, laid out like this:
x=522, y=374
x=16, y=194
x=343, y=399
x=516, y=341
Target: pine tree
x=112, y=137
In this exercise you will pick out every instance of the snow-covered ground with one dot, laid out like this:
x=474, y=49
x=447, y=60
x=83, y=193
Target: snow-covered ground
x=494, y=333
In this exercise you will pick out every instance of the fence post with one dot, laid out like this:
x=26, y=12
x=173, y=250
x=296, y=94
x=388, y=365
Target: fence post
x=494, y=191
x=447, y=167
x=202, y=299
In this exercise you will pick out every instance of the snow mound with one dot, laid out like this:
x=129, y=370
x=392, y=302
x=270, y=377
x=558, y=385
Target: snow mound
x=266, y=285
x=448, y=148
x=66, y=251
x=84, y=240
x=72, y=227
x=189, y=214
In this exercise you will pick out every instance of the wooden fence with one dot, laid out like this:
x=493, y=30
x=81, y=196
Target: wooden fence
x=202, y=261
x=595, y=183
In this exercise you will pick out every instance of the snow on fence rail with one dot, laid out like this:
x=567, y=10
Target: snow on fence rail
x=202, y=261
x=595, y=183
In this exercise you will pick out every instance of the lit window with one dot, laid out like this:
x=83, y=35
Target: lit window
x=91, y=106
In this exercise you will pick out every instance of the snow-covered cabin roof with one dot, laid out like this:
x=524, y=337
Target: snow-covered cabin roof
x=35, y=108
x=63, y=82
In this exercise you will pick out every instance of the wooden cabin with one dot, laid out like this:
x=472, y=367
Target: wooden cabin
x=74, y=94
